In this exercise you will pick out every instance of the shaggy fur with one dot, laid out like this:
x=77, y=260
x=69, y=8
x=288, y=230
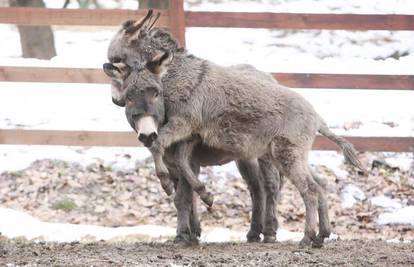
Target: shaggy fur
x=190, y=155
x=235, y=111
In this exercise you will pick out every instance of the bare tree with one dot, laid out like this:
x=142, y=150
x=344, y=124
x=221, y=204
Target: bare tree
x=36, y=41
x=157, y=4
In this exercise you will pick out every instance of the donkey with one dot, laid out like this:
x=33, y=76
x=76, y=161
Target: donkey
x=194, y=154
x=242, y=115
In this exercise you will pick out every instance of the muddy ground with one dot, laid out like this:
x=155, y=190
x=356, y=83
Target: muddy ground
x=67, y=192
x=339, y=253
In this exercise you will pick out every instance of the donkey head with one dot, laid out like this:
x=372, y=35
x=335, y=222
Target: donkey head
x=135, y=44
x=118, y=72
x=144, y=102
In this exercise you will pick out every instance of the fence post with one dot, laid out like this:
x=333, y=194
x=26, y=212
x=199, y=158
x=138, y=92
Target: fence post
x=177, y=20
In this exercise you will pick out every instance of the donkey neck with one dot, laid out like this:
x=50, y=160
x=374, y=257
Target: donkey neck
x=185, y=72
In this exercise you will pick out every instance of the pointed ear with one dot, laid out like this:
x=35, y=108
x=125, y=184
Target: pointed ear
x=131, y=27
x=159, y=64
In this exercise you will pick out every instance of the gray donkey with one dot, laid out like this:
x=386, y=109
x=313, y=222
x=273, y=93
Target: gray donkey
x=194, y=154
x=242, y=115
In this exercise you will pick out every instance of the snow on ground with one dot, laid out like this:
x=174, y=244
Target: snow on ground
x=396, y=212
x=20, y=224
x=17, y=157
x=351, y=195
x=401, y=216
x=386, y=202
x=348, y=112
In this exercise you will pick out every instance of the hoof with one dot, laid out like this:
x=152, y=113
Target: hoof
x=186, y=240
x=167, y=185
x=269, y=239
x=168, y=189
x=253, y=237
x=305, y=242
x=318, y=242
x=207, y=198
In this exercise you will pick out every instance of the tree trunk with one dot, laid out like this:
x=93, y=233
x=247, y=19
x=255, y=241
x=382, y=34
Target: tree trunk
x=36, y=41
x=156, y=4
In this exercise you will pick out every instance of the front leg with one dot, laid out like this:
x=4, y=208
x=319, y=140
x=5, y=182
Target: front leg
x=175, y=130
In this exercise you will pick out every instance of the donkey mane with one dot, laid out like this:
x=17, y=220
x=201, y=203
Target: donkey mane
x=162, y=40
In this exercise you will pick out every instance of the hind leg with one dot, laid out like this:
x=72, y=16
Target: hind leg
x=272, y=183
x=195, y=225
x=324, y=224
x=293, y=163
x=183, y=203
x=249, y=170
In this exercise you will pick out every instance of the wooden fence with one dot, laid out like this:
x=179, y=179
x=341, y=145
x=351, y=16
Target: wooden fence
x=176, y=19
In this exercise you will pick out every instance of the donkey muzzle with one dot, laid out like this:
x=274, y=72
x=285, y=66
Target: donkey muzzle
x=146, y=130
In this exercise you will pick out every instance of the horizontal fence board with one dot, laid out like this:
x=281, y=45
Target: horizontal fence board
x=111, y=17
x=299, y=21
x=68, y=138
x=93, y=138
x=295, y=80
x=87, y=17
x=391, y=144
x=54, y=75
x=346, y=81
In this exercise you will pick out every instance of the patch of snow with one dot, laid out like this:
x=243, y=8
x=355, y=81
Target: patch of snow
x=219, y=235
x=397, y=240
x=402, y=216
x=331, y=159
x=17, y=157
x=351, y=195
x=386, y=202
x=402, y=160
x=20, y=224
x=226, y=169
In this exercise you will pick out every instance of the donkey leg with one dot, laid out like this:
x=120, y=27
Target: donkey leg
x=184, y=157
x=163, y=176
x=272, y=185
x=194, y=218
x=293, y=162
x=324, y=224
x=175, y=130
x=249, y=170
x=183, y=202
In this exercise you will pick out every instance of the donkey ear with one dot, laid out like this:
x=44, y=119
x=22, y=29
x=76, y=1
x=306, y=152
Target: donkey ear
x=159, y=64
x=131, y=26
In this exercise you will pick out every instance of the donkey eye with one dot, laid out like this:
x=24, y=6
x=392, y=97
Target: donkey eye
x=153, y=91
x=116, y=60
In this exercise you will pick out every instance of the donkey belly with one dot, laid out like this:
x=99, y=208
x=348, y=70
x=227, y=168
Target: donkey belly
x=233, y=144
x=209, y=156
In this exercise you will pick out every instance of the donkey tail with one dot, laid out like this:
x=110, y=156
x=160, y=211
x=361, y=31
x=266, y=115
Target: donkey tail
x=347, y=148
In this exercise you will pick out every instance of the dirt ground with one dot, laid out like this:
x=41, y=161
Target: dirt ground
x=66, y=192
x=339, y=253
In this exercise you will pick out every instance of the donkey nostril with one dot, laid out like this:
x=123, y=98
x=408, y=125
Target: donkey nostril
x=142, y=138
x=153, y=136
x=147, y=140
x=107, y=66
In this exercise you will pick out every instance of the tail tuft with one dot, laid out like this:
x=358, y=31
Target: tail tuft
x=347, y=148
